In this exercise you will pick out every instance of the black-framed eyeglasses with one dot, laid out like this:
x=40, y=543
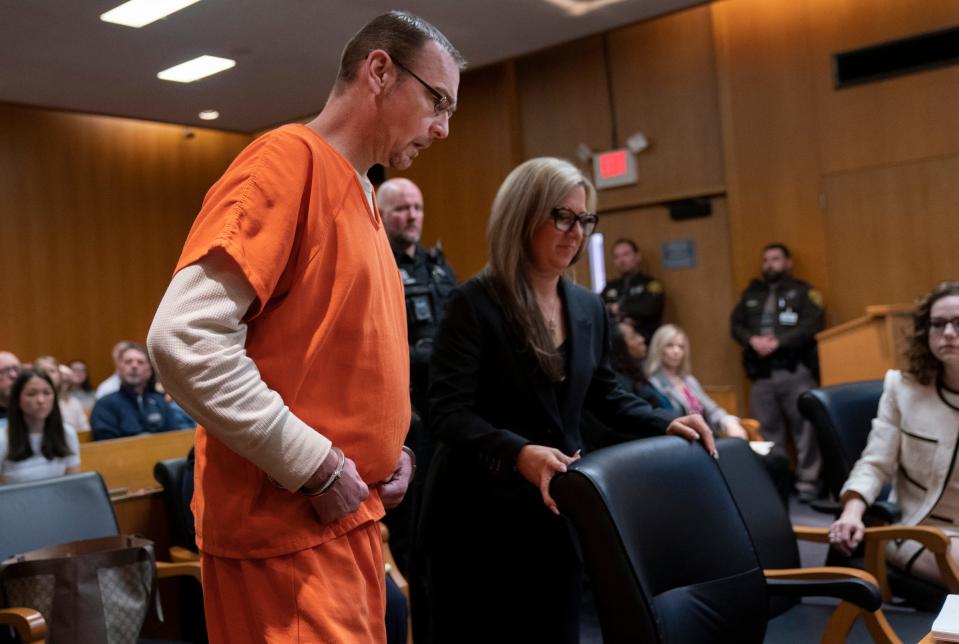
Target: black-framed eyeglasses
x=564, y=219
x=441, y=102
x=12, y=370
x=938, y=325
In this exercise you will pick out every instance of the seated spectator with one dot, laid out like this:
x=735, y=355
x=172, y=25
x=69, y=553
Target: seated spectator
x=9, y=367
x=70, y=408
x=913, y=441
x=627, y=352
x=112, y=383
x=136, y=408
x=34, y=441
x=82, y=389
x=669, y=371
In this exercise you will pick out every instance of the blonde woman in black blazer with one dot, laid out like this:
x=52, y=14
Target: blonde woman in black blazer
x=521, y=352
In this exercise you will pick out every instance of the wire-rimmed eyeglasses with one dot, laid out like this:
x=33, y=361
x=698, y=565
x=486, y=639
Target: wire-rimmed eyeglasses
x=441, y=102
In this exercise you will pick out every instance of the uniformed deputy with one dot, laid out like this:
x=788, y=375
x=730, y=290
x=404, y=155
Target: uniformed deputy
x=634, y=295
x=776, y=321
x=427, y=281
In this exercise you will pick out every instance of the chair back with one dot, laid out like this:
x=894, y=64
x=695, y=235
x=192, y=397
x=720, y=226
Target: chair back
x=842, y=416
x=169, y=473
x=665, y=547
x=47, y=512
x=762, y=509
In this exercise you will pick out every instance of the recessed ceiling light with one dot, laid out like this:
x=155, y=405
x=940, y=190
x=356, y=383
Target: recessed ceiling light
x=209, y=115
x=137, y=13
x=577, y=8
x=195, y=69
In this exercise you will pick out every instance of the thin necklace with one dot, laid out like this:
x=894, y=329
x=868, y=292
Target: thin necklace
x=551, y=317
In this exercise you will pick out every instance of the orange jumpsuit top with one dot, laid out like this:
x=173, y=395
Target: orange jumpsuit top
x=327, y=331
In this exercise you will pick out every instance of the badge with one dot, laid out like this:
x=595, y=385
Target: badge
x=637, y=290
x=752, y=303
x=815, y=297
x=421, y=309
x=612, y=293
x=406, y=277
x=654, y=287
x=788, y=318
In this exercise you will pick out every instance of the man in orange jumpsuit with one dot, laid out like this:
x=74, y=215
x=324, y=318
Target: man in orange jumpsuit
x=283, y=333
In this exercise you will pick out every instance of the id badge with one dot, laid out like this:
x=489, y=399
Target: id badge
x=788, y=318
x=421, y=309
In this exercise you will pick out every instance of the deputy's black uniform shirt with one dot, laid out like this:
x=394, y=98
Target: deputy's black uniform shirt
x=640, y=298
x=798, y=317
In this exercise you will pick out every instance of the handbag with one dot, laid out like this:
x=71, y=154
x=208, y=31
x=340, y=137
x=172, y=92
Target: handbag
x=89, y=591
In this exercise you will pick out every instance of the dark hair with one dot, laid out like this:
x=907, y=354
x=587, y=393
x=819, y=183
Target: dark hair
x=86, y=385
x=923, y=365
x=619, y=358
x=778, y=246
x=400, y=34
x=54, y=443
x=628, y=242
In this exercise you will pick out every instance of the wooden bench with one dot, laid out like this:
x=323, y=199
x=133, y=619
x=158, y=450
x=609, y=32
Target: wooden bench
x=126, y=465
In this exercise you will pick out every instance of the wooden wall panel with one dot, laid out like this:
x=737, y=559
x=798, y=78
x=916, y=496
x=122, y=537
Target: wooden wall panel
x=460, y=176
x=891, y=232
x=664, y=85
x=890, y=121
x=770, y=131
x=699, y=299
x=564, y=100
x=95, y=214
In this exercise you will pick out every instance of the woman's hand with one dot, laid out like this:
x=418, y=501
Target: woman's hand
x=538, y=464
x=733, y=429
x=694, y=428
x=846, y=532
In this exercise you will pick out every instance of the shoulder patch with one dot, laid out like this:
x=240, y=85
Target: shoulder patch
x=815, y=297
x=655, y=287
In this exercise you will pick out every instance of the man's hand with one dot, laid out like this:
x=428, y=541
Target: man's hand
x=694, y=428
x=393, y=489
x=344, y=497
x=538, y=464
x=764, y=345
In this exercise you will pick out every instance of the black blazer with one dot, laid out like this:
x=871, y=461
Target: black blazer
x=488, y=395
x=489, y=398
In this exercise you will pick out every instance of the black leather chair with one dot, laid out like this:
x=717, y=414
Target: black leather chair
x=775, y=540
x=666, y=548
x=59, y=510
x=842, y=417
x=170, y=475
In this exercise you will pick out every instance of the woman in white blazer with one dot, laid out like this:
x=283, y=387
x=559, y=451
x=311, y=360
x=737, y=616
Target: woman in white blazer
x=914, y=440
x=668, y=368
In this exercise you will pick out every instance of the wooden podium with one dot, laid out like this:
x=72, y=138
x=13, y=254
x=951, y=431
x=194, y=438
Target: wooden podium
x=864, y=348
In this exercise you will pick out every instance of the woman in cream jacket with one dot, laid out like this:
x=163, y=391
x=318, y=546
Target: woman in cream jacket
x=914, y=440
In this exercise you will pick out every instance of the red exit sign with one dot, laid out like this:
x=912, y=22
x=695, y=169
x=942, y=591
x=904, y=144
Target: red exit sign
x=614, y=168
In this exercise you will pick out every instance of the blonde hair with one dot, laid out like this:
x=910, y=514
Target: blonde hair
x=521, y=205
x=657, y=345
